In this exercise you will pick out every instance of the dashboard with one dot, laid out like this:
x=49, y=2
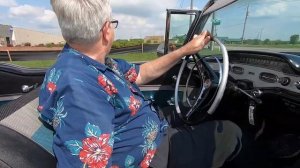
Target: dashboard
x=272, y=77
x=264, y=70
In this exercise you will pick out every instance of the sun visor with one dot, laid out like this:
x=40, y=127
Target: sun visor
x=218, y=4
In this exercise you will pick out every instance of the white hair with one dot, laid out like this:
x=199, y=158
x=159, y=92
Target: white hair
x=81, y=20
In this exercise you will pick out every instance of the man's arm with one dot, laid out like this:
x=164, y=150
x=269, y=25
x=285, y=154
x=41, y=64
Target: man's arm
x=155, y=68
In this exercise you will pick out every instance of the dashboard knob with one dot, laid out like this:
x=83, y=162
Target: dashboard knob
x=257, y=93
x=297, y=84
x=284, y=81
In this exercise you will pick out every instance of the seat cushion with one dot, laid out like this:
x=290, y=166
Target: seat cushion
x=18, y=151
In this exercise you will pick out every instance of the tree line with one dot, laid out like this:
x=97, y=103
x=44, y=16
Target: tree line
x=294, y=39
x=127, y=43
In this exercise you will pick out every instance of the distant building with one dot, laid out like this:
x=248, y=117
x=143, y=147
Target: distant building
x=14, y=36
x=5, y=35
x=154, y=39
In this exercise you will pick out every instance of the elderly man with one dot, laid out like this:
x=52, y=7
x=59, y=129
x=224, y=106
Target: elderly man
x=99, y=115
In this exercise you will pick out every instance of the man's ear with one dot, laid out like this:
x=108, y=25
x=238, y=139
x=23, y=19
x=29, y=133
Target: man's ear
x=106, y=31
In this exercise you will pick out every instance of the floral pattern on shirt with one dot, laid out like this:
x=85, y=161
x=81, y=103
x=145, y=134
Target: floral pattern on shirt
x=53, y=79
x=147, y=159
x=129, y=161
x=150, y=131
x=134, y=105
x=107, y=85
x=95, y=150
x=131, y=74
x=113, y=65
x=59, y=113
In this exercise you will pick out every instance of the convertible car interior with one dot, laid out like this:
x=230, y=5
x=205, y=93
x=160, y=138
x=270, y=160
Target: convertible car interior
x=255, y=88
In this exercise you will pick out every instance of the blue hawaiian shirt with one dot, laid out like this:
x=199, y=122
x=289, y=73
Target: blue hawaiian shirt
x=99, y=116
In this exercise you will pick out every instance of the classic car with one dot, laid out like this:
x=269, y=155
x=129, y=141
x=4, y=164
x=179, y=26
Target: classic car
x=246, y=75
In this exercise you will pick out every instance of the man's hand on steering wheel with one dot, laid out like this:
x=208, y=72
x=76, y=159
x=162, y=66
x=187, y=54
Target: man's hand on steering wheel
x=197, y=44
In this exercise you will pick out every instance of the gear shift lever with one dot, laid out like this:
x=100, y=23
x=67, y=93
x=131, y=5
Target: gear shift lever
x=256, y=100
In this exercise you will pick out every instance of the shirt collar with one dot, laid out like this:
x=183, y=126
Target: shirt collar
x=68, y=49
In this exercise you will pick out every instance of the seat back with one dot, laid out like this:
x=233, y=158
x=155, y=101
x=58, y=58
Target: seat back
x=26, y=141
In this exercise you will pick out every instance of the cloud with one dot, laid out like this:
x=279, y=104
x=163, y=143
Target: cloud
x=142, y=8
x=8, y=3
x=140, y=18
x=48, y=16
x=137, y=18
x=136, y=27
x=34, y=17
x=25, y=11
x=268, y=10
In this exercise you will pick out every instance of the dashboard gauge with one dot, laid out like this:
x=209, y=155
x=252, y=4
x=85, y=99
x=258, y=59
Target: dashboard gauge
x=268, y=77
x=237, y=70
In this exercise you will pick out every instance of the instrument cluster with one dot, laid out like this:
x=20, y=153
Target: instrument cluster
x=264, y=72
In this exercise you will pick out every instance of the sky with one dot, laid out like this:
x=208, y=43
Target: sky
x=140, y=18
x=272, y=19
x=137, y=18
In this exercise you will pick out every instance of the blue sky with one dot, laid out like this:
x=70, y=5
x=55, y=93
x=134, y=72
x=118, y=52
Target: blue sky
x=273, y=19
x=139, y=18
x=142, y=16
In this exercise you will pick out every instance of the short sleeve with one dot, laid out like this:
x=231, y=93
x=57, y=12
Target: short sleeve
x=129, y=70
x=82, y=118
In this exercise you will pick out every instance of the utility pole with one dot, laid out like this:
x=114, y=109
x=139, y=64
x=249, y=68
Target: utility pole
x=245, y=22
x=192, y=7
x=261, y=32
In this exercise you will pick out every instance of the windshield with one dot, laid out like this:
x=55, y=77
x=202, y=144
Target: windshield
x=267, y=25
x=179, y=27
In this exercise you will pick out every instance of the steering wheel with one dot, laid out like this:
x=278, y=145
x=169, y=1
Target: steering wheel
x=206, y=102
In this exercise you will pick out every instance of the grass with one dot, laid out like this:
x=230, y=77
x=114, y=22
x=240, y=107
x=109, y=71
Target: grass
x=131, y=57
x=34, y=64
x=135, y=57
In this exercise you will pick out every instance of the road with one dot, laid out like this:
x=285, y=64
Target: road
x=48, y=55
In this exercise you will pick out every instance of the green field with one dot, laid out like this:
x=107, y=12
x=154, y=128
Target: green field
x=34, y=64
x=131, y=57
x=136, y=57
